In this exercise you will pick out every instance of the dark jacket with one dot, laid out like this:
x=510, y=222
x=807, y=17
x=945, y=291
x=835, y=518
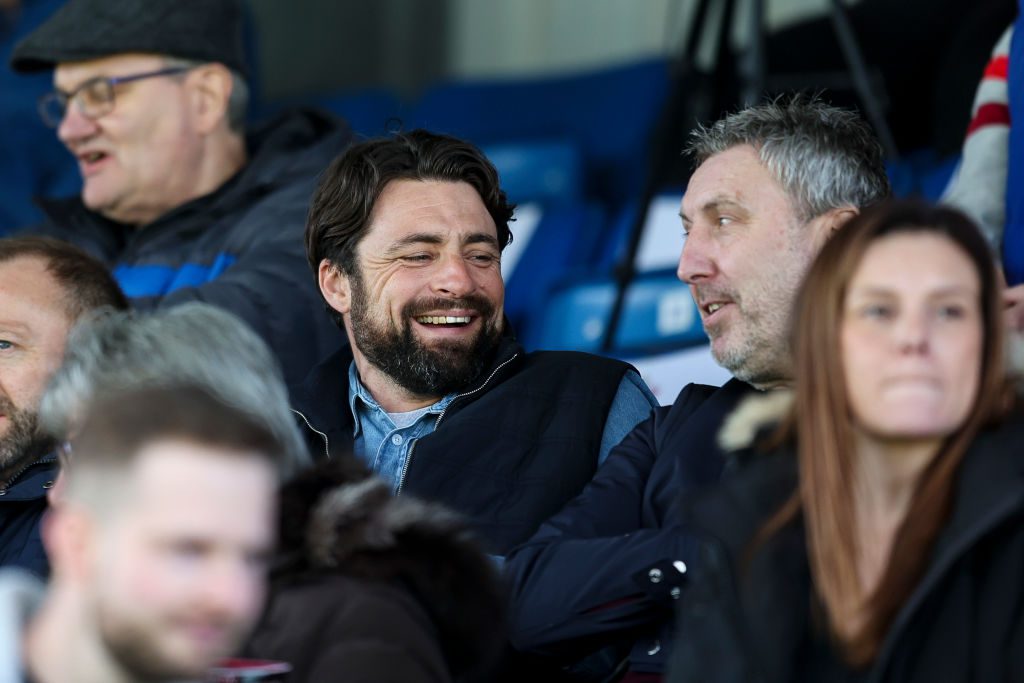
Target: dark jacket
x=507, y=453
x=750, y=618
x=376, y=589
x=22, y=504
x=603, y=571
x=240, y=247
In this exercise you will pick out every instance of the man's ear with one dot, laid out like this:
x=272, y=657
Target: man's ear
x=826, y=225
x=211, y=86
x=69, y=534
x=334, y=285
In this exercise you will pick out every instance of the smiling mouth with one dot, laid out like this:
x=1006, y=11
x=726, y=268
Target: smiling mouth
x=446, y=320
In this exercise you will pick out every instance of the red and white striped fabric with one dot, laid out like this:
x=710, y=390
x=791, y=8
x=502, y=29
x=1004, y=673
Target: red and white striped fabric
x=979, y=186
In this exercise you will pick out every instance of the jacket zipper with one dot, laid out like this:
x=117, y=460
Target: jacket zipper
x=25, y=468
x=437, y=423
x=327, y=450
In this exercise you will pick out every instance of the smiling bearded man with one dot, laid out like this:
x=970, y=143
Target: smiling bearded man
x=405, y=236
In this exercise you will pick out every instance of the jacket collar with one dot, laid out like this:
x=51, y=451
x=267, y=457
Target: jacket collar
x=322, y=400
x=32, y=482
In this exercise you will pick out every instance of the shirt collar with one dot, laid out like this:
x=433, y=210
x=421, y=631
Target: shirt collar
x=357, y=393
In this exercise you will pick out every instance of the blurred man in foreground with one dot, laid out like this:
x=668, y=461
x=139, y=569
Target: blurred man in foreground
x=158, y=543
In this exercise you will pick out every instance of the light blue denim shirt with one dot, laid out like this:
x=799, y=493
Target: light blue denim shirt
x=378, y=440
x=383, y=441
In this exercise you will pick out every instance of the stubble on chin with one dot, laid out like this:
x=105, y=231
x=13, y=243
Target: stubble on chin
x=22, y=442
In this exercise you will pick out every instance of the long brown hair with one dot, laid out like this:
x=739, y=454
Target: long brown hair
x=822, y=426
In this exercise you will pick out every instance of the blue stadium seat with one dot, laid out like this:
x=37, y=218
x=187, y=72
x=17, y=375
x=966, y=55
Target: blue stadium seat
x=546, y=171
x=548, y=242
x=33, y=162
x=658, y=314
x=609, y=114
x=921, y=174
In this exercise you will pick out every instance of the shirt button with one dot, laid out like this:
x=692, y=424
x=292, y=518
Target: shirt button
x=654, y=649
x=654, y=575
x=397, y=439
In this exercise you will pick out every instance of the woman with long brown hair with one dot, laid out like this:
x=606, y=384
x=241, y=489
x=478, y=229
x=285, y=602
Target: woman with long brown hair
x=882, y=536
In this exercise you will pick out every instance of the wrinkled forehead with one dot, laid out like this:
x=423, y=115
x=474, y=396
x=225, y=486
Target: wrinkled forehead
x=31, y=296
x=738, y=177
x=433, y=209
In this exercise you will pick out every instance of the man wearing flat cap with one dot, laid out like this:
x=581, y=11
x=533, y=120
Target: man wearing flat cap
x=150, y=97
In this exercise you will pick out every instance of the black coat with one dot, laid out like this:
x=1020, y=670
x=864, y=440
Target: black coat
x=507, y=453
x=22, y=505
x=375, y=589
x=963, y=622
x=603, y=572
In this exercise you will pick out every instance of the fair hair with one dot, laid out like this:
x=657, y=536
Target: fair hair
x=193, y=343
x=824, y=157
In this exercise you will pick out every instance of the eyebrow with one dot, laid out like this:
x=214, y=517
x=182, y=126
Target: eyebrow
x=881, y=290
x=14, y=326
x=433, y=238
x=79, y=84
x=481, y=238
x=714, y=204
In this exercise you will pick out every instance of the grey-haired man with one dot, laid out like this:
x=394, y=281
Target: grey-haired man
x=772, y=183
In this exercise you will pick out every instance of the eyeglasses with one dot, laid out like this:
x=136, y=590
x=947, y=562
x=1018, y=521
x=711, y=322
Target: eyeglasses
x=94, y=98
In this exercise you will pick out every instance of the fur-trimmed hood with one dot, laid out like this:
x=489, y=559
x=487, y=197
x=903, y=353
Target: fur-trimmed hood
x=752, y=417
x=336, y=519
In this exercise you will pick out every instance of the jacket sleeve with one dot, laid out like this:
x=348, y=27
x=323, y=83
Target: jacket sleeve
x=632, y=404
x=586, y=575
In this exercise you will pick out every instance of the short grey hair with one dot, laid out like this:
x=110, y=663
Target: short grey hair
x=824, y=157
x=193, y=343
x=238, y=100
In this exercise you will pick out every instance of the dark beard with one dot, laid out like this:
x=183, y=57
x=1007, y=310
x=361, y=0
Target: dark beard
x=23, y=442
x=434, y=371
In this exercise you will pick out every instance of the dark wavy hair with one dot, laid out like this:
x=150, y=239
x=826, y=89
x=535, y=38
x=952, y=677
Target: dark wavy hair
x=343, y=202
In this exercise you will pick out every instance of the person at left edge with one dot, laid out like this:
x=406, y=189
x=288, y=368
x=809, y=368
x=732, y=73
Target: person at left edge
x=150, y=97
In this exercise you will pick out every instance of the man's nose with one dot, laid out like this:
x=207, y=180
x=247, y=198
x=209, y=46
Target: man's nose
x=695, y=262
x=75, y=125
x=453, y=277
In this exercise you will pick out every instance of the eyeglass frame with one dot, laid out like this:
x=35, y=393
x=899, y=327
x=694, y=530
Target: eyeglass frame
x=63, y=99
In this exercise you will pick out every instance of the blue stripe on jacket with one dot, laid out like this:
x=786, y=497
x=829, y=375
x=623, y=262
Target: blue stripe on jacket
x=149, y=280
